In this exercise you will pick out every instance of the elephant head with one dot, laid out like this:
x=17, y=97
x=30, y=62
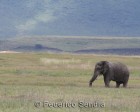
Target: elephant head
x=101, y=68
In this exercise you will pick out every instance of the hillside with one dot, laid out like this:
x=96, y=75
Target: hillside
x=69, y=17
x=104, y=45
x=119, y=51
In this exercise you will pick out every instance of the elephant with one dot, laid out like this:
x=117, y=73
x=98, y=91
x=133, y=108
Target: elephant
x=117, y=72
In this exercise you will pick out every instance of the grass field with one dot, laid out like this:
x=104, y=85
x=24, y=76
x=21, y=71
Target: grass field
x=29, y=79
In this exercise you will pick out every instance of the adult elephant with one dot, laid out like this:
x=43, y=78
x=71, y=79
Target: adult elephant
x=117, y=72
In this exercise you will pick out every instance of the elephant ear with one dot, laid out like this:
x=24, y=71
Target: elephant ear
x=105, y=67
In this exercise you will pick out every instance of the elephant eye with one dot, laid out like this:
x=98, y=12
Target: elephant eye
x=98, y=68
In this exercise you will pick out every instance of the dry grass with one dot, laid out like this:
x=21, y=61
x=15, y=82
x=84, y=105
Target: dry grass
x=27, y=78
x=59, y=61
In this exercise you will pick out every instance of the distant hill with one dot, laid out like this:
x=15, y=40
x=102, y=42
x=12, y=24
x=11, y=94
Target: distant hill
x=36, y=48
x=123, y=51
x=69, y=17
x=71, y=44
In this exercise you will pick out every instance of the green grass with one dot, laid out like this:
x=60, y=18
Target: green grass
x=25, y=79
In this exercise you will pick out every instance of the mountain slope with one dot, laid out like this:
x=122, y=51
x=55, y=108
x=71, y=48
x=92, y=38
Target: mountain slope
x=119, y=51
x=69, y=17
x=130, y=46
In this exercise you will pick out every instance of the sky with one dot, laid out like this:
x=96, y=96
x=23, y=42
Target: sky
x=69, y=18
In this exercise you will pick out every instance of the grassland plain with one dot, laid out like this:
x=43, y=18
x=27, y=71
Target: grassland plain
x=27, y=79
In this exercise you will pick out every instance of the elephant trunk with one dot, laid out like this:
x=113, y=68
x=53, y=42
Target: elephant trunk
x=96, y=73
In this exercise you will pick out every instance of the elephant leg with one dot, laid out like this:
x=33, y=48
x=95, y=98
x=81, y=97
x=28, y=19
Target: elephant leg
x=107, y=85
x=106, y=81
x=125, y=84
x=118, y=84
